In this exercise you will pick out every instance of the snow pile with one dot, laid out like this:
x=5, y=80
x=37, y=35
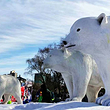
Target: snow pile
x=55, y=106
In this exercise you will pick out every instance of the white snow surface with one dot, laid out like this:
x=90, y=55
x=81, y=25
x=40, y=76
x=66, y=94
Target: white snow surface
x=55, y=106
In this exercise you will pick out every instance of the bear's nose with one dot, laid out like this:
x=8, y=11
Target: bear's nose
x=65, y=42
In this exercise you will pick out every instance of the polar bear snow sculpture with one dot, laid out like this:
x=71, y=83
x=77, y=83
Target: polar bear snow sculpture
x=92, y=36
x=9, y=85
x=79, y=72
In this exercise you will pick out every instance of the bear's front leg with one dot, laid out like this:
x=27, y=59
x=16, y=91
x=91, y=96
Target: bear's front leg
x=81, y=76
x=80, y=84
x=105, y=75
x=80, y=88
x=69, y=85
x=105, y=99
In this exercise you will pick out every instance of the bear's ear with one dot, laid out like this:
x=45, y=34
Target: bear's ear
x=102, y=19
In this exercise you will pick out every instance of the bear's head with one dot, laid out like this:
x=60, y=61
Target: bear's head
x=89, y=35
x=54, y=60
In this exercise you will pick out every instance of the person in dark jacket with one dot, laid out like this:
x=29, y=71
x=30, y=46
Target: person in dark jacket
x=45, y=94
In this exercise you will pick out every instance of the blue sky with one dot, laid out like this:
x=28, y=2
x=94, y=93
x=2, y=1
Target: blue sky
x=27, y=25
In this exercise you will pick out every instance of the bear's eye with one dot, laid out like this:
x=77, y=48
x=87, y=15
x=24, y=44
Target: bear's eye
x=50, y=55
x=78, y=29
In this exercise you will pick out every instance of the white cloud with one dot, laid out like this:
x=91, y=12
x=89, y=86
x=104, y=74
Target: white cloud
x=17, y=63
x=33, y=22
x=16, y=59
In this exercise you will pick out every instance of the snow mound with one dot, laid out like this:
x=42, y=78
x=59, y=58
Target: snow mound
x=55, y=106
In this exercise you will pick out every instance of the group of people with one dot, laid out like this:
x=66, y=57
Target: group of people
x=44, y=95
x=26, y=95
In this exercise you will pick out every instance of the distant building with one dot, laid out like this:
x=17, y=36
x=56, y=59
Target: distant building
x=38, y=78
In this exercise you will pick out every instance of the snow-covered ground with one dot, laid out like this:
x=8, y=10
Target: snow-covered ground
x=55, y=106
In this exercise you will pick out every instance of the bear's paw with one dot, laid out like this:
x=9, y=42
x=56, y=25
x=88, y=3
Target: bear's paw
x=68, y=99
x=104, y=100
x=77, y=99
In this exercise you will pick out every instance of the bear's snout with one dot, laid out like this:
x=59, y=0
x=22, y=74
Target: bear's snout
x=65, y=42
x=67, y=46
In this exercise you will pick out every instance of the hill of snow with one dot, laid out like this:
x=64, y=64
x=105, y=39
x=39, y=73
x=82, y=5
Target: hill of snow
x=55, y=106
